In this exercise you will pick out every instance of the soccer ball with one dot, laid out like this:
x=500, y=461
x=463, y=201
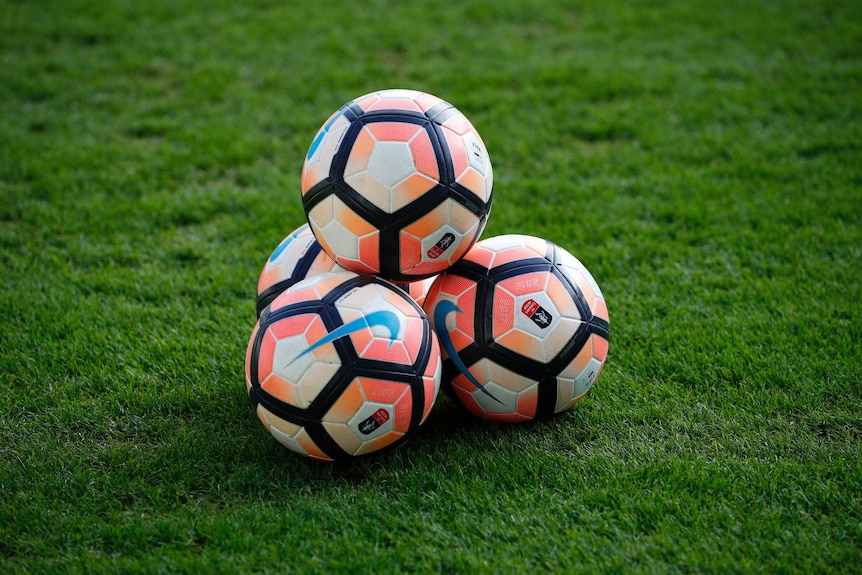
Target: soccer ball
x=523, y=326
x=398, y=184
x=417, y=290
x=298, y=256
x=342, y=365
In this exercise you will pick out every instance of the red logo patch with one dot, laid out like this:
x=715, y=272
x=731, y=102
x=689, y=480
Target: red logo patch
x=442, y=244
x=375, y=420
x=537, y=313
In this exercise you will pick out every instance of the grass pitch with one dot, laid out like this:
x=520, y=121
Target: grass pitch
x=702, y=159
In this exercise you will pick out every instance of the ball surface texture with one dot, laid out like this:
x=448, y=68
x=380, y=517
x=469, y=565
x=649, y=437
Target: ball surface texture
x=296, y=257
x=523, y=326
x=397, y=183
x=341, y=365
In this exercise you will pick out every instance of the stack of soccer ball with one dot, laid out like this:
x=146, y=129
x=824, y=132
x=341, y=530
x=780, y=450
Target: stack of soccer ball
x=355, y=305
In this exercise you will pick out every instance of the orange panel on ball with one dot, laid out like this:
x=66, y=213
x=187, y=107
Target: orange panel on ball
x=311, y=176
x=369, y=252
x=395, y=104
x=561, y=298
x=413, y=338
x=514, y=254
x=523, y=344
x=524, y=284
x=581, y=360
x=430, y=389
x=267, y=351
x=473, y=181
x=461, y=340
x=460, y=160
x=426, y=101
x=481, y=255
x=601, y=310
x=429, y=223
x=292, y=325
x=528, y=402
x=413, y=188
x=458, y=124
x=352, y=221
x=281, y=389
x=464, y=320
x=504, y=312
x=455, y=285
x=600, y=347
x=393, y=131
x=360, y=152
x=410, y=251
x=463, y=389
x=506, y=417
x=403, y=413
x=382, y=391
x=347, y=405
x=386, y=350
x=365, y=102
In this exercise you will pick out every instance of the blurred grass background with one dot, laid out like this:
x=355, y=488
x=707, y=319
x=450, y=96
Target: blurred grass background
x=701, y=159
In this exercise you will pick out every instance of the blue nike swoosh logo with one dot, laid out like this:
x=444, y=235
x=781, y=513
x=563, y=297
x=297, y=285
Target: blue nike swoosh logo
x=317, y=140
x=383, y=318
x=286, y=242
x=443, y=309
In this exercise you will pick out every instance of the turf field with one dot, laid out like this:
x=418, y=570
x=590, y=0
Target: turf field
x=703, y=159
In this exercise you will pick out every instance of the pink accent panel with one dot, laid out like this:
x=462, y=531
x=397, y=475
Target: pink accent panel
x=481, y=255
x=464, y=320
x=411, y=252
x=369, y=252
x=365, y=102
x=265, y=357
x=380, y=349
x=395, y=104
x=271, y=277
x=463, y=388
x=403, y=412
x=292, y=325
x=426, y=101
x=526, y=283
x=455, y=285
x=504, y=312
x=458, y=151
x=514, y=254
x=601, y=310
x=473, y=181
x=460, y=340
x=360, y=152
x=600, y=347
x=423, y=155
x=459, y=124
x=311, y=175
x=528, y=401
x=393, y=131
x=381, y=391
x=413, y=338
x=410, y=190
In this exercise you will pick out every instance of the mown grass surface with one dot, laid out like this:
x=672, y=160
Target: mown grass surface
x=702, y=159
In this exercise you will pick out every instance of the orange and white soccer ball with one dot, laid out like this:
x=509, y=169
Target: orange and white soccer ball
x=296, y=257
x=523, y=326
x=342, y=365
x=397, y=183
x=299, y=256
